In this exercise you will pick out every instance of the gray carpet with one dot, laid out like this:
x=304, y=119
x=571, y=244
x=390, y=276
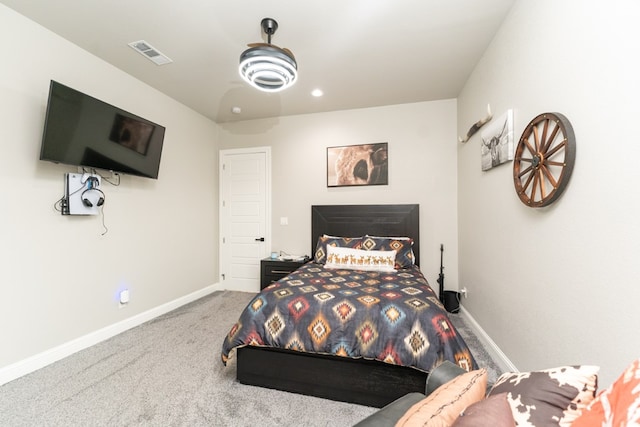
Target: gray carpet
x=167, y=372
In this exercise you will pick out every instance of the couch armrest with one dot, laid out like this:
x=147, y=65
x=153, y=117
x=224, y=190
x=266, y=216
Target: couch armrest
x=442, y=374
x=390, y=414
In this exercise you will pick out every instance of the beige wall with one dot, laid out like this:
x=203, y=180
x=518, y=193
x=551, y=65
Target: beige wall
x=558, y=285
x=549, y=286
x=422, y=163
x=59, y=275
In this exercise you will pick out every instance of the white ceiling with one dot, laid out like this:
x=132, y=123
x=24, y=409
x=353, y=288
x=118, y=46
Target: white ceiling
x=361, y=53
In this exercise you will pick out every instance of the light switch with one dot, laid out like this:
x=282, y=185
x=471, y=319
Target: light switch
x=284, y=220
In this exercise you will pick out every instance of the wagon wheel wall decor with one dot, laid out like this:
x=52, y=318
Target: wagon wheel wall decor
x=544, y=159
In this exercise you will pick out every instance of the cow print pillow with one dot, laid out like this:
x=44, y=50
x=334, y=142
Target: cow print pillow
x=549, y=397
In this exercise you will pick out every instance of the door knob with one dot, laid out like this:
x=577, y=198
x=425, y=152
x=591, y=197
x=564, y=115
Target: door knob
x=260, y=239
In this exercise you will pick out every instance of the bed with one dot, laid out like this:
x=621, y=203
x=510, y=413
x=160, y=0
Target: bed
x=363, y=364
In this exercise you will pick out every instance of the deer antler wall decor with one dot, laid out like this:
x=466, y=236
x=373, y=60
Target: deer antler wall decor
x=477, y=125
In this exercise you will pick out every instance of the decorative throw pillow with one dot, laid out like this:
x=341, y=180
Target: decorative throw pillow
x=442, y=407
x=551, y=397
x=402, y=245
x=320, y=255
x=356, y=259
x=493, y=411
x=618, y=405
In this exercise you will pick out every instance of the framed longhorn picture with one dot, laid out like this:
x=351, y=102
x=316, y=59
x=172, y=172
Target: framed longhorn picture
x=350, y=165
x=497, y=141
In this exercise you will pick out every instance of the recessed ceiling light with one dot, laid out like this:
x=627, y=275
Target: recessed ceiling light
x=317, y=93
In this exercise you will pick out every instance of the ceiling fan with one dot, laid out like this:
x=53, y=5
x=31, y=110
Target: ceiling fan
x=266, y=66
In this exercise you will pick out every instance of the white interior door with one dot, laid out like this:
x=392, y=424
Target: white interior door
x=245, y=234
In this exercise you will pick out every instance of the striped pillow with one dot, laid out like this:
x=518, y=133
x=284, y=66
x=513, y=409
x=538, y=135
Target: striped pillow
x=444, y=405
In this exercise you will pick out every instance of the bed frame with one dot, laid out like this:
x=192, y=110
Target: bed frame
x=361, y=381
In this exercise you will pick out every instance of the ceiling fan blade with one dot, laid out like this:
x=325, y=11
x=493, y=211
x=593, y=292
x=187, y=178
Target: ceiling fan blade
x=283, y=49
x=258, y=44
x=288, y=52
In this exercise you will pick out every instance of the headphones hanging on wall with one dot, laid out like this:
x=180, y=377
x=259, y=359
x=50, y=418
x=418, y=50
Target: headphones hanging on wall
x=92, y=186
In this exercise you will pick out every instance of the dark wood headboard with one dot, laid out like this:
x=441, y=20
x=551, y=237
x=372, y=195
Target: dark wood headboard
x=358, y=220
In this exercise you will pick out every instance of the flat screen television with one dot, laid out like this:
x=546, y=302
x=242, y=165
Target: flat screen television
x=80, y=130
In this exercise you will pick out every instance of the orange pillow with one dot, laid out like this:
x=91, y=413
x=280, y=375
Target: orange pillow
x=444, y=405
x=618, y=405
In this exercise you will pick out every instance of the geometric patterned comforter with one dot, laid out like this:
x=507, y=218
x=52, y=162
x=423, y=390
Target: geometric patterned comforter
x=391, y=317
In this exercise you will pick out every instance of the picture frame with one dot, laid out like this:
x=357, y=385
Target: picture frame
x=358, y=165
x=497, y=141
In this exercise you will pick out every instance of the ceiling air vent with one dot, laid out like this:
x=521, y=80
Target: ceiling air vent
x=150, y=52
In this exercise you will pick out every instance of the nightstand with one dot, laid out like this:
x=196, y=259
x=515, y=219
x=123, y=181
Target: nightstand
x=272, y=270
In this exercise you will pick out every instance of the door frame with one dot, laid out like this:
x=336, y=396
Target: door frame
x=221, y=230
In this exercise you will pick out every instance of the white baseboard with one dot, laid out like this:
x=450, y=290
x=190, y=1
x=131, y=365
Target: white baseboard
x=492, y=348
x=33, y=363
x=251, y=288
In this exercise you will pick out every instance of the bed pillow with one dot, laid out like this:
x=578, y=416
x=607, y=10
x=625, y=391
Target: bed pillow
x=320, y=254
x=617, y=405
x=551, y=397
x=442, y=407
x=357, y=259
x=402, y=245
x=493, y=411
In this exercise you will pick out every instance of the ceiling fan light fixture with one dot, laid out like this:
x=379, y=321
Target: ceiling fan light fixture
x=267, y=67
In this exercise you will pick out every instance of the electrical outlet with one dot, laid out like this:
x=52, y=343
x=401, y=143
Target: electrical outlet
x=463, y=291
x=124, y=297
